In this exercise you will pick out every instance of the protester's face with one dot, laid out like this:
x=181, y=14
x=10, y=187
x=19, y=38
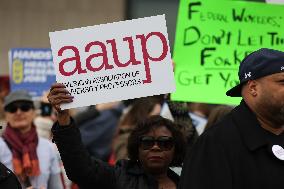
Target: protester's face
x=20, y=115
x=271, y=97
x=156, y=158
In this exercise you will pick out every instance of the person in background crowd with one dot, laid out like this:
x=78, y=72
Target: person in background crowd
x=217, y=114
x=140, y=110
x=4, y=90
x=179, y=114
x=32, y=158
x=43, y=121
x=245, y=149
x=200, y=109
x=199, y=113
x=155, y=144
x=97, y=125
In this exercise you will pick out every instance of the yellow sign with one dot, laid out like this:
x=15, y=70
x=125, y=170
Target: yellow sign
x=18, y=71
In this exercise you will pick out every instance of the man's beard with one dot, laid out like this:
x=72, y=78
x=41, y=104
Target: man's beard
x=282, y=115
x=274, y=111
x=277, y=115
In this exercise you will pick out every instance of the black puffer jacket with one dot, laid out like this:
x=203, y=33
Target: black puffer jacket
x=92, y=173
x=7, y=179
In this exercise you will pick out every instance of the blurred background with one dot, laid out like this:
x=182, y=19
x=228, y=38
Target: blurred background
x=27, y=23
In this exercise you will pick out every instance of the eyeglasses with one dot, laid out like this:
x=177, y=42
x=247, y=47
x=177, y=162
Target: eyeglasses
x=24, y=107
x=164, y=143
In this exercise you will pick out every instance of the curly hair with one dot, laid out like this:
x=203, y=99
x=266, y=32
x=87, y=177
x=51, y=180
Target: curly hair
x=147, y=125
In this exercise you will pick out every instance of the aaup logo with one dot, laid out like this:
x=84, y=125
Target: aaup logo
x=247, y=75
x=282, y=68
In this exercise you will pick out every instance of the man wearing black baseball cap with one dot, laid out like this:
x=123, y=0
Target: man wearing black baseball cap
x=245, y=149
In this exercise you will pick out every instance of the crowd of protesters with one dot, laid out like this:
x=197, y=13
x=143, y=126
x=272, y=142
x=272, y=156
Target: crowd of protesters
x=104, y=130
x=150, y=142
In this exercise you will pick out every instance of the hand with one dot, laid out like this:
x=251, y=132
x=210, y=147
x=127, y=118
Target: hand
x=58, y=95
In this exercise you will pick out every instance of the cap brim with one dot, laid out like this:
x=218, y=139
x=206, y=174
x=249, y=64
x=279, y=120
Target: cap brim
x=12, y=101
x=235, y=91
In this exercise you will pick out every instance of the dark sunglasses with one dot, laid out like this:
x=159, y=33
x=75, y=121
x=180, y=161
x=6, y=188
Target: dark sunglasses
x=24, y=107
x=164, y=143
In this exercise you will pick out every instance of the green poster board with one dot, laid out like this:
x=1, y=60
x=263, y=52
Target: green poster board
x=212, y=39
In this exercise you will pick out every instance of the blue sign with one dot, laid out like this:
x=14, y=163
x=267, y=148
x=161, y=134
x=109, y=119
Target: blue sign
x=31, y=69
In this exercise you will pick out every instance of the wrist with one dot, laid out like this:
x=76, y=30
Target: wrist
x=64, y=118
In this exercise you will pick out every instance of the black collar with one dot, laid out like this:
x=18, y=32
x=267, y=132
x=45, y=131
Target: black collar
x=134, y=168
x=254, y=136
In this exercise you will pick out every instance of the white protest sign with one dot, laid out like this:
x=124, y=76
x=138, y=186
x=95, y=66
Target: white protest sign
x=115, y=61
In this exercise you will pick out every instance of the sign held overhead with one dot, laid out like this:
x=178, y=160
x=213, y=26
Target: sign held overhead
x=116, y=61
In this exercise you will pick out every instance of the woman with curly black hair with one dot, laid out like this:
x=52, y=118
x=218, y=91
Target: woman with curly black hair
x=143, y=134
x=154, y=145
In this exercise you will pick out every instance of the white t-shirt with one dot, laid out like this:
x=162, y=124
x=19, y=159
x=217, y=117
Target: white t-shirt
x=48, y=161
